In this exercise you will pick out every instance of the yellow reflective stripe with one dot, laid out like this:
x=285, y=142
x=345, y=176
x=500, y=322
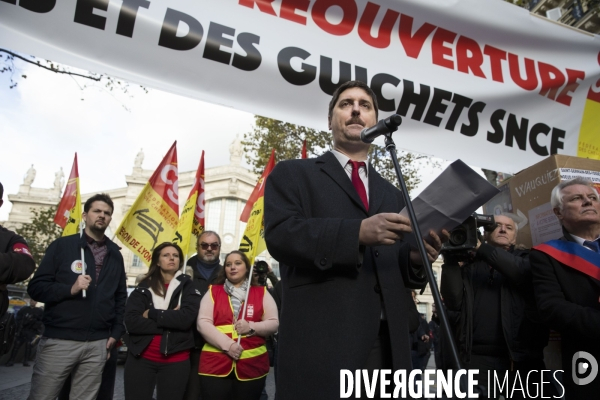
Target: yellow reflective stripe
x=225, y=328
x=245, y=354
x=228, y=330
x=254, y=352
x=211, y=348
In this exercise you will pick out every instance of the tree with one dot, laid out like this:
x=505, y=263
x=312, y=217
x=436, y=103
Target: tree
x=9, y=64
x=287, y=140
x=40, y=232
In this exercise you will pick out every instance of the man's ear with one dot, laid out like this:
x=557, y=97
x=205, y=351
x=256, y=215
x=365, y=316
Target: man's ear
x=557, y=213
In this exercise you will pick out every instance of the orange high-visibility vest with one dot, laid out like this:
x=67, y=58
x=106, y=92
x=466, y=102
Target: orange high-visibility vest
x=254, y=361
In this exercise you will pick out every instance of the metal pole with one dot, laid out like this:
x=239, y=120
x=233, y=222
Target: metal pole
x=391, y=148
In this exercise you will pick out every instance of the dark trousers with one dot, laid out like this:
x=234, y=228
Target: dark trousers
x=192, y=391
x=380, y=357
x=141, y=376
x=21, y=340
x=487, y=364
x=230, y=388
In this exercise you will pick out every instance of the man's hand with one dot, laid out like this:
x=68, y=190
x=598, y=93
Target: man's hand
x=145, y=314
x=82, y=283
x=432, y=248
x=109, y=345
x=383, y=229
x=425, y=338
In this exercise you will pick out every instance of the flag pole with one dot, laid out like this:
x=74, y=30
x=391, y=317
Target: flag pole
x=82, y=258
x=246, y=299
x=181, y=293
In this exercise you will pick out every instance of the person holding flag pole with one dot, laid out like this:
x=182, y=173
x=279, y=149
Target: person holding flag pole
x=234, y=320
x=79, y=332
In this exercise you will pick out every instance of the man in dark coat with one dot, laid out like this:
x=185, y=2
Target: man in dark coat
x=29, y=325
x=498, y=327
x=566, y=278
x=335, y=229
x=205, y=267
x=16, y=261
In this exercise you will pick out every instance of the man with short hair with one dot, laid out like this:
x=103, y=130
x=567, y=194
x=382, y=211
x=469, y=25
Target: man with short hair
x=16, y=261
x=205, y=266
x=84, y=308
x=566, y=278
x=333, y=223
x=490, y=301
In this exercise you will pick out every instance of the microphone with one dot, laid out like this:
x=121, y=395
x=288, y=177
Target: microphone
x=388, y=125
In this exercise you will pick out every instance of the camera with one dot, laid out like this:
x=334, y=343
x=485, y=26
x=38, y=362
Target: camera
x=262, y=269
x=464, y=238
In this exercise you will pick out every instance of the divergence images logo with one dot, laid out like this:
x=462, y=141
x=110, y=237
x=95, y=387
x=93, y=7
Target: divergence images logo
x=582, y=364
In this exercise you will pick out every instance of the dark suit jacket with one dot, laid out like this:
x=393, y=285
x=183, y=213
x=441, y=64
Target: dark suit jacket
x=568, y=301
x=333, y=289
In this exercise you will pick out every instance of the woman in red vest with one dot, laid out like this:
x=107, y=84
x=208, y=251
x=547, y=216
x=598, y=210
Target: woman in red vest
x=228, y=370
x=159, y=318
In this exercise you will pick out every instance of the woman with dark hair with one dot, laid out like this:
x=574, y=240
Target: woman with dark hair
x=159, y=318
x=228, y=370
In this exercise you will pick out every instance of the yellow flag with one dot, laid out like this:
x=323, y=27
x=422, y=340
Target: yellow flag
x=154, y=216
x=253, y=242
x=191, y=222
x=589, y=133
x=68, y=213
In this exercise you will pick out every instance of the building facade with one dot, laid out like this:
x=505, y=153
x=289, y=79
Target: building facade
x=227, y=188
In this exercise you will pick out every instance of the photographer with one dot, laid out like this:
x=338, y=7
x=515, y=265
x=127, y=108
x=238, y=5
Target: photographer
x=490, y=297
x=261, y=271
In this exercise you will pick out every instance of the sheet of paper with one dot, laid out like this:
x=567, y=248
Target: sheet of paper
x=449, y=200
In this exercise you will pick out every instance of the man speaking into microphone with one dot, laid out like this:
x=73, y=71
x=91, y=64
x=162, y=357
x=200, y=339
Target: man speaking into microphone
x=333, y=224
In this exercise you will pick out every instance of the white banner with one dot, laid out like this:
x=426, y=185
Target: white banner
x=480, y=80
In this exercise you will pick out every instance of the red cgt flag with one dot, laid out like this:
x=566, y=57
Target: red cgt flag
x=259, y=189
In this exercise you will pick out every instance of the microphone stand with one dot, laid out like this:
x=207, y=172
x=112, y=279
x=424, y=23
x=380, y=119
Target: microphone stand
x=391, y=148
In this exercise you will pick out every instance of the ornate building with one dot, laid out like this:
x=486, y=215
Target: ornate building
x=226, y=190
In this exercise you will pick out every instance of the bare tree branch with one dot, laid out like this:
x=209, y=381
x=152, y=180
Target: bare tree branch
x=58, y=71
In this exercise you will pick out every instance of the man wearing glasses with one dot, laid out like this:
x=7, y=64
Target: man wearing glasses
x=205, y=267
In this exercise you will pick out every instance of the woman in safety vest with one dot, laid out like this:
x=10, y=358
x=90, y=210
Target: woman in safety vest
x=159, y=318
x=229, y=370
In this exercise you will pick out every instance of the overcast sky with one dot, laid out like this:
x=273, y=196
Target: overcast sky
x=47, y=118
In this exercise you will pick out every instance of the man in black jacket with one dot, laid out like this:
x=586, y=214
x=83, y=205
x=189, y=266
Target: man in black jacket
x=205, y=267
x=84, y=307
x=29, y=325
x=566, y=279
x=495, y=319
x=16, y=262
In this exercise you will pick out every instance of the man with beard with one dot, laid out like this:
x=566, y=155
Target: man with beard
x=205, y=267
x=566, y=281
x=333, y=224
x=83, y=313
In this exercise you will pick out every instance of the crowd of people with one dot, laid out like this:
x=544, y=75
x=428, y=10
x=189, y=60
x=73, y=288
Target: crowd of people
x=346, y=300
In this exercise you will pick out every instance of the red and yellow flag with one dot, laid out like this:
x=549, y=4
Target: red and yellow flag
x=589, y=133
x=68, y=213
x=153, y=217
x=253, y=242
x=191, y=222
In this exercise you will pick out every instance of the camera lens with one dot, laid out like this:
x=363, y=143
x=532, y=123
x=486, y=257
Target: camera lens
x=458, y=237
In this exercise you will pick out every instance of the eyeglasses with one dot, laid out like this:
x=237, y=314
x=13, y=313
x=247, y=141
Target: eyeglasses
x=213, y=246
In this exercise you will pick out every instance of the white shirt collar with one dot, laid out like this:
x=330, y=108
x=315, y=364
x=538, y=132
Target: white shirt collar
x=343, y=160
